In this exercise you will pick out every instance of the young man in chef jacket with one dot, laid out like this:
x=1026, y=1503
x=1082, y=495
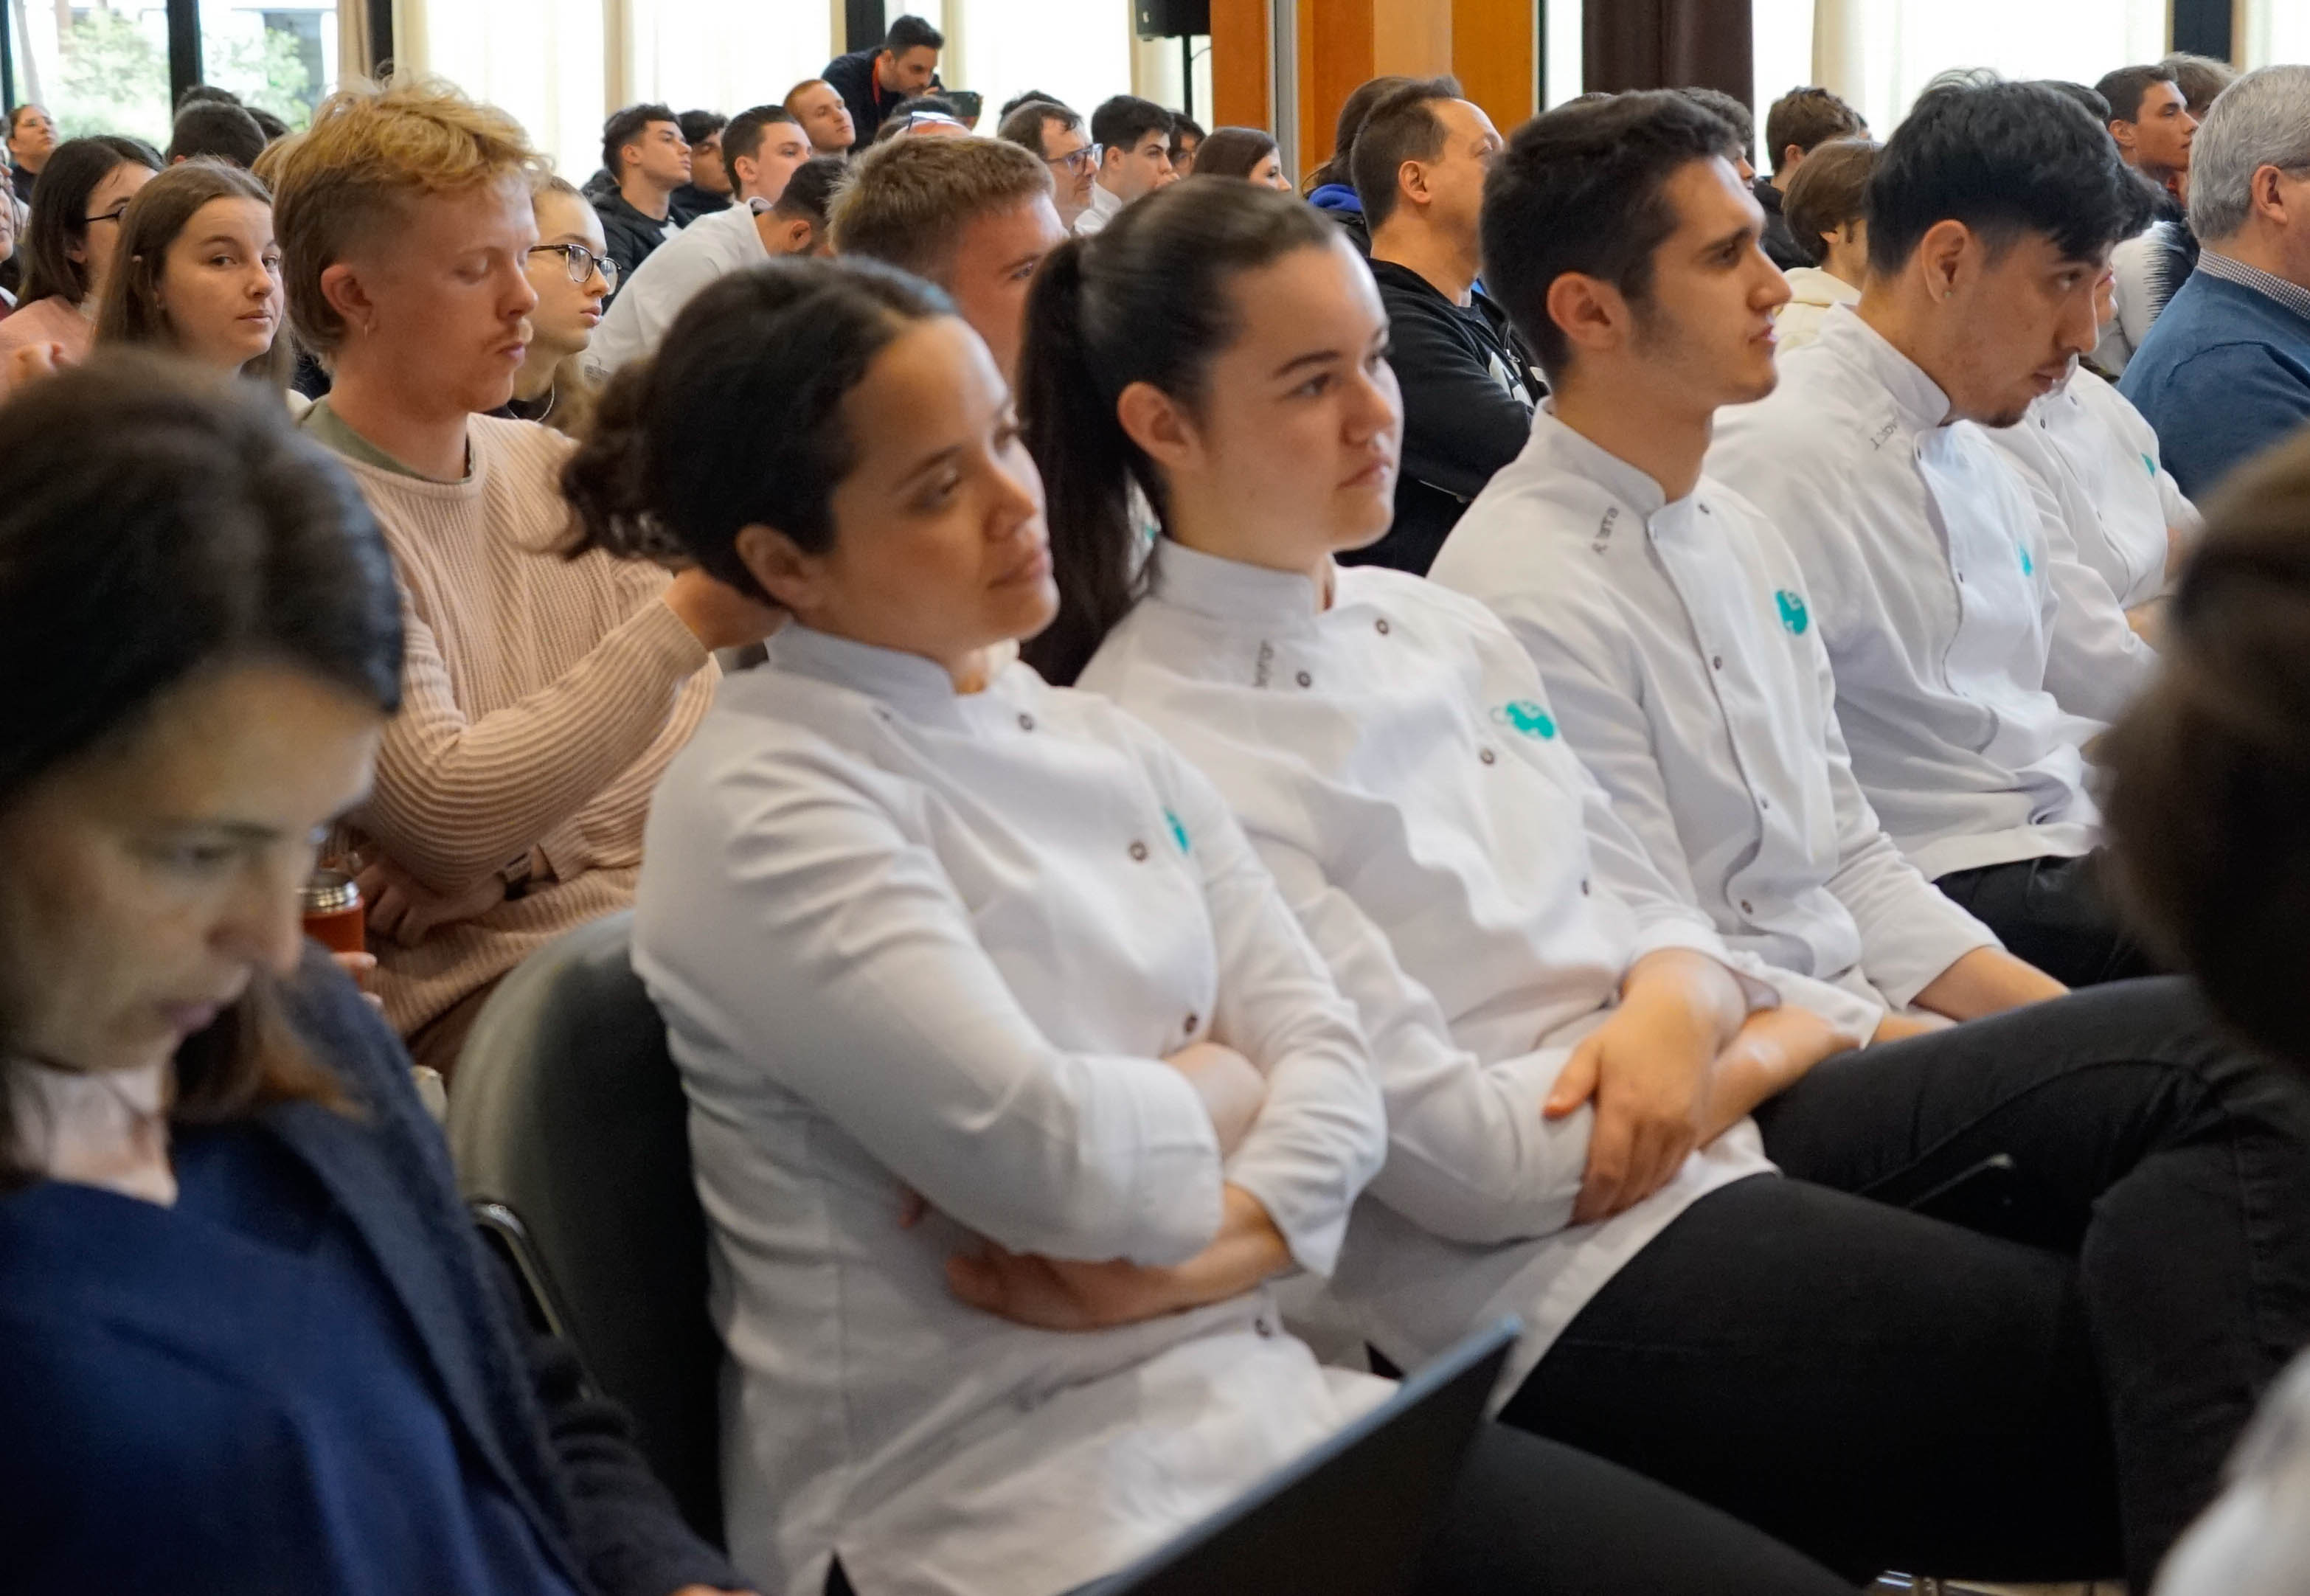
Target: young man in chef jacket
x=1975, y=655
x=1674, y=629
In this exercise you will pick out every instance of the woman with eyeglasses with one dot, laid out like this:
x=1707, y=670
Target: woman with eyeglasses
x=570, y=268
x=85, y=191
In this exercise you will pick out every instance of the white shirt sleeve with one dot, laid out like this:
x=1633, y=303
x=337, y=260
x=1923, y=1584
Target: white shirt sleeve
x=1321, y=1133
x=846, y=941
x=2095, y=661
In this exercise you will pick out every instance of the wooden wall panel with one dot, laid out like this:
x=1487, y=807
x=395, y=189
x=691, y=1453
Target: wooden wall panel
x=1495, y=55
x=1241, y=66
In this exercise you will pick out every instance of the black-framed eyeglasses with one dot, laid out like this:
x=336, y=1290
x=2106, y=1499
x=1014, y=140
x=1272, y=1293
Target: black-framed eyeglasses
x=582, y=262
x=1075, y=161
x=113, y=215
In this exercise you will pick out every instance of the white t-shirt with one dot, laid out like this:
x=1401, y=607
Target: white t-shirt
x=1813, y=293
x=709, y=247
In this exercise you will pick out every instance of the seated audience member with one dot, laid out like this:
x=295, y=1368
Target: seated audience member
x=1740, y=149
x=1054, y=133
x=68, y=249
x=1332, y=186
x=729, y=241
x=1467, y=382
x=11, y=226
x=1976, y=655
x=974, y=216
x=647, y=160
x=875, y=81
x=197, y=270
x=1667, y=620
x=2206, y=819
x=818, y=107
x=1133, y=137
x=764, y=147
x=570, y=270
x=2202, y=78
x=927, y=116
x=709, y=189
x=248, y=1342
x=1770, y=1345
x=542, y=696
x=1245, y=152
x=887, y=830
x=1026, y=97
x=220, y=132
x=1186, y=140
x=1827, y=212
x=2150, y=122
x=31, y=139
x=1798, y=123
x=2226, y=370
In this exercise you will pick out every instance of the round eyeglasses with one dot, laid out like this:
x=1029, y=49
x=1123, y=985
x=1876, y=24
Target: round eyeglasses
x=1075, y=161
x=582, y=262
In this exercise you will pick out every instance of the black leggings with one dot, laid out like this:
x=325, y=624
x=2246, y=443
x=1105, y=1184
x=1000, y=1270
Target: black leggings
x=1535, y=1518
x=2043, y=1389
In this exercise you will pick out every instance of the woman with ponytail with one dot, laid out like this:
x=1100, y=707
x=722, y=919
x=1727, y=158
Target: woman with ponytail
x=992, y=1027
x=1570, y=1053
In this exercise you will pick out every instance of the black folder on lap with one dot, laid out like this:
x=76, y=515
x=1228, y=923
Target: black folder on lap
x=1352, y=1517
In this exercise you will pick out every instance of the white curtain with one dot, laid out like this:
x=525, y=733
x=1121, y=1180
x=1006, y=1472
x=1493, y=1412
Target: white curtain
x=1878, y=53
x=1080, y=50
x=2273, y=30
x=544, y=62
x=723, y=55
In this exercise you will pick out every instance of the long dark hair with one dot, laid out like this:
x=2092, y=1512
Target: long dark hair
x=157, y=521
x=1232, y=152
x=1339, y=166
x=59, y=220
x=1145, y=301
x=131, y=311
x=737, y=419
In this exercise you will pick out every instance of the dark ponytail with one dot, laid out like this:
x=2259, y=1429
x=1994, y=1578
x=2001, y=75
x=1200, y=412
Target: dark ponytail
x=737, y=419
x=1145, y=301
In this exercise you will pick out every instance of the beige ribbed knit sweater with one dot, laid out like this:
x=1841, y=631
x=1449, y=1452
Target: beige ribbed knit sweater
x=542, y=699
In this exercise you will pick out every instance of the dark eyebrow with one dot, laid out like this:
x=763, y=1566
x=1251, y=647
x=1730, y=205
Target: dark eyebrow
x=1739, y=235
x=1319, y=356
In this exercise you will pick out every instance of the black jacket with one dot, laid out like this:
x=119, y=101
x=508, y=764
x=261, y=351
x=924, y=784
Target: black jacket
x=1780, y=244
x=691, y=202
x=630, y=235
x=515, y=1399
x=1469, y=387
x=852, y=76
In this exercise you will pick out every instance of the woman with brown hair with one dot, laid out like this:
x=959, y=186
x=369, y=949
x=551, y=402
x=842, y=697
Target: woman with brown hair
x=197, y=270
x=248, y=1341
x=1244, y=153
x=68, y=250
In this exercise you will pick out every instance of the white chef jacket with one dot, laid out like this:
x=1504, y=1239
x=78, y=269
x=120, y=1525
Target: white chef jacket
x=906, y=940
x=1678, y=646
x=1105, y=205
x=1965, y=695
x=1396, y=763
x=2087, y=446
x=662, y=287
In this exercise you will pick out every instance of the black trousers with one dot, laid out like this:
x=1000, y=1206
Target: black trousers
x=2044, y=1391
x=1532, y=1517
x=2056, y=914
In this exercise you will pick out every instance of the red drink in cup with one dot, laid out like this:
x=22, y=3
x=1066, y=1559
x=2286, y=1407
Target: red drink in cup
x=334, y=916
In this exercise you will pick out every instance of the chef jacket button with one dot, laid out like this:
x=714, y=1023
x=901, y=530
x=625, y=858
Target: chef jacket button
x=1584, y=888
x=1305, y=680
x=1764, y=803
x=1193, y=1021
x=1380, y=626
x=1139, y=851
x=1487, y=755
x=1264, y=1326
x=1716, y=662
x=1026, y=722
x=1746, y=908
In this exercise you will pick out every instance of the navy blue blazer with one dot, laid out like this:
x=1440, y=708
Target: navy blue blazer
x=563, y=1456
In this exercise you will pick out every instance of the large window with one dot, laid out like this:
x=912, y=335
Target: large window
x=281, y=57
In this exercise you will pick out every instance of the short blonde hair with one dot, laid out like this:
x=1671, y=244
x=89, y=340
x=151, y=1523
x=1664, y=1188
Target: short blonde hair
x=906, y=202
x=369, y=150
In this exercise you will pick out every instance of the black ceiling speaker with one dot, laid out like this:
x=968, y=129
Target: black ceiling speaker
x=1173, y=19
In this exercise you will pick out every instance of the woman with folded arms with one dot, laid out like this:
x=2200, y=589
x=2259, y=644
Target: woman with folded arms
x=1012, y=1078
x=248, y=1340
x=1570, y=1056
x=197, y=271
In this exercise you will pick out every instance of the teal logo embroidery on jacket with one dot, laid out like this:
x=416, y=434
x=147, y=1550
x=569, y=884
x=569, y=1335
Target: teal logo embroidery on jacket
x=2028, y=565
x=1178, y=832
x=1793, y=614
x=2149, y=466
x=1526, y=717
